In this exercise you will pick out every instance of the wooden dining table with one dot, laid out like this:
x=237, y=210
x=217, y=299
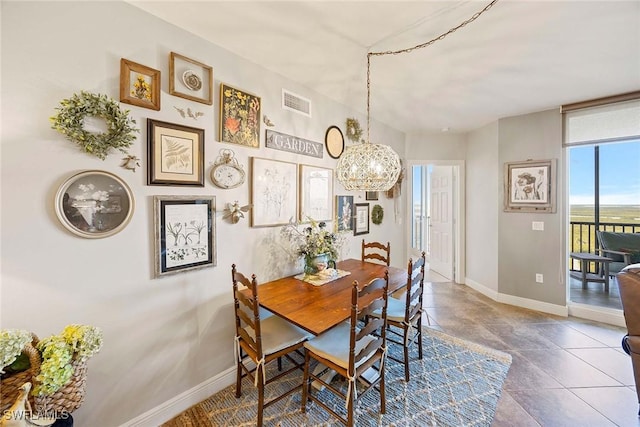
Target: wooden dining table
x=319, y=308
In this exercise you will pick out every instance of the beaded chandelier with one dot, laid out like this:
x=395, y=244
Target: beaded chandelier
x=376, y=167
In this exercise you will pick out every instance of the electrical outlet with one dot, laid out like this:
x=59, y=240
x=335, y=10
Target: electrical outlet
x=539, y=278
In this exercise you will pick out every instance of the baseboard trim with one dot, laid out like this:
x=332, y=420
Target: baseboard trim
x=169, y=409
x=545, y=307
x=600, y=314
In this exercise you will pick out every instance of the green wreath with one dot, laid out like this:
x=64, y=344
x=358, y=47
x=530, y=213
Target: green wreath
x=354, y=131
x=69, y=121
x=377, y=214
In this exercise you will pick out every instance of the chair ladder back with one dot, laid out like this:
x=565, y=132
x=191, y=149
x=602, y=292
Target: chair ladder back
x=386, y=249
x=247, y=328
x=378, y=289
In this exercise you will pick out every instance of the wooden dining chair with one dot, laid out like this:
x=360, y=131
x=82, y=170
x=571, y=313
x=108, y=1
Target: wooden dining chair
x=263, y=340
x=351, y=349
x=404, y=316
x=376, y=251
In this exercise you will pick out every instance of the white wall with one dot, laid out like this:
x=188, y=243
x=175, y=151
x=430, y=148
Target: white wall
x=164, y=336
x=522, y=251
x=483, y=183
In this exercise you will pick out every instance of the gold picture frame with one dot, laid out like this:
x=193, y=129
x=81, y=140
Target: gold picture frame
x=190, y=79
x=240, y=117
x=139, y=85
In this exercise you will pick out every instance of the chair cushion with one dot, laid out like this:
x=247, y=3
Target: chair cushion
x=334, y=345
x=395, y=309
x=277, y=334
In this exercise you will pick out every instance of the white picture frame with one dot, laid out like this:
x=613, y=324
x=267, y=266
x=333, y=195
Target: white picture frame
x=274, y=192
x=316, y=193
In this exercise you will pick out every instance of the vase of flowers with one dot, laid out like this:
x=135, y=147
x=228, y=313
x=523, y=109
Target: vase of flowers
x=318, y=246
x=56, y=366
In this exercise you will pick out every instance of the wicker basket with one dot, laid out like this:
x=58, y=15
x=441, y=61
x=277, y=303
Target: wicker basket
x=67, y=399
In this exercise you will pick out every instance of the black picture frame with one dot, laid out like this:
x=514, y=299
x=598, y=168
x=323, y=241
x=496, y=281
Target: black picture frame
x=175, y=154
x=334, y=142
x=184, y=233
x=361, y=219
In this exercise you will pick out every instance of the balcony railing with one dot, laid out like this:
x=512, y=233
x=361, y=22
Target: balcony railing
x=583, y=238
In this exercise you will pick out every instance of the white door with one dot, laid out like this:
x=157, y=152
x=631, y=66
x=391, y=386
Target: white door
x=441, y=224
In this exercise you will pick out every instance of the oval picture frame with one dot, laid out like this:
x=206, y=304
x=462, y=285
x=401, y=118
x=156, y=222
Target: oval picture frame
x=94, y=204
x=334, y=141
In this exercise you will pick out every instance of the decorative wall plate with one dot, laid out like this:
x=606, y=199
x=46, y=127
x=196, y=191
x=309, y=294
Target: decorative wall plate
x=334, y=141
x=191, y=80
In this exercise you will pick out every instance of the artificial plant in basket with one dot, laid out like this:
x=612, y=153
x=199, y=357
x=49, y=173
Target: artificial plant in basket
x=57, y=359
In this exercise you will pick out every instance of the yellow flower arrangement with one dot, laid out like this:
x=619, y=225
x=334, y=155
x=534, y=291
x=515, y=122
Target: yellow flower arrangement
x=76, y=342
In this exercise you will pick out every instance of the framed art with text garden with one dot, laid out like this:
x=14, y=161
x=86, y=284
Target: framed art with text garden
x=530, y=186
x=184, y=233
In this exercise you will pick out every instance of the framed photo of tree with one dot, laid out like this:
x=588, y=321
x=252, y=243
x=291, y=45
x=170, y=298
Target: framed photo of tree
x=184, y=233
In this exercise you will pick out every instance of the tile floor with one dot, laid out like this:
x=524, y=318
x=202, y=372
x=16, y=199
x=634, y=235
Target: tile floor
x=565, y=371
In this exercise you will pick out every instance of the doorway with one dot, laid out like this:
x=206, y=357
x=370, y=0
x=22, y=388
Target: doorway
x=434, y=214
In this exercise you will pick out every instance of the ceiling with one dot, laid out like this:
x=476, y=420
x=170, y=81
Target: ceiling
x=518, y=57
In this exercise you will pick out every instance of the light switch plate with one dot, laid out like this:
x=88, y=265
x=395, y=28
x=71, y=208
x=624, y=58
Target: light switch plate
x=537, y=225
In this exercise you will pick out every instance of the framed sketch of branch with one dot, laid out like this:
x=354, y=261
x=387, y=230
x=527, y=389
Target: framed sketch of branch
x=361, y=220
x=530, y=186
x=184, y=233
x=175, y=154
x=274, y=192
x=344, y=213
x=190, y=79
x=316, y=193
x=139, y=85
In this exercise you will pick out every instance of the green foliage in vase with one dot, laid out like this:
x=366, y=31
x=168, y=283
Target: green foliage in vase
x=72, y=112
x=312, y=240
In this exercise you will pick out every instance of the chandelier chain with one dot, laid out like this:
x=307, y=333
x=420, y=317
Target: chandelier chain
x=410, y=49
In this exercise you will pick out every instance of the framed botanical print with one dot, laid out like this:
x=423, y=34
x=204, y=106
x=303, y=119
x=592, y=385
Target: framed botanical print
x=190, y=79
x=529, y=186
x=139, y=85
x=361, y=220
x=344, y=213
x=184, y=233
x=371, y=195
x=175, y=154
x=274, y=192
x=239, y=117
x=316, y=193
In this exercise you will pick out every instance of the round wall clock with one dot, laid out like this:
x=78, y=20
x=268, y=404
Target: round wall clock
x=334, y=141
x=227, y=172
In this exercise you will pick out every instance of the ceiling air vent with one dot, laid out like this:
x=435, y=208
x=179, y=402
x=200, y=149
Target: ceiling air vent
x=294, y=102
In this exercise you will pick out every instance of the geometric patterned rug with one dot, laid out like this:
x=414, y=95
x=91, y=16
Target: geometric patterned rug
x=457, y=383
